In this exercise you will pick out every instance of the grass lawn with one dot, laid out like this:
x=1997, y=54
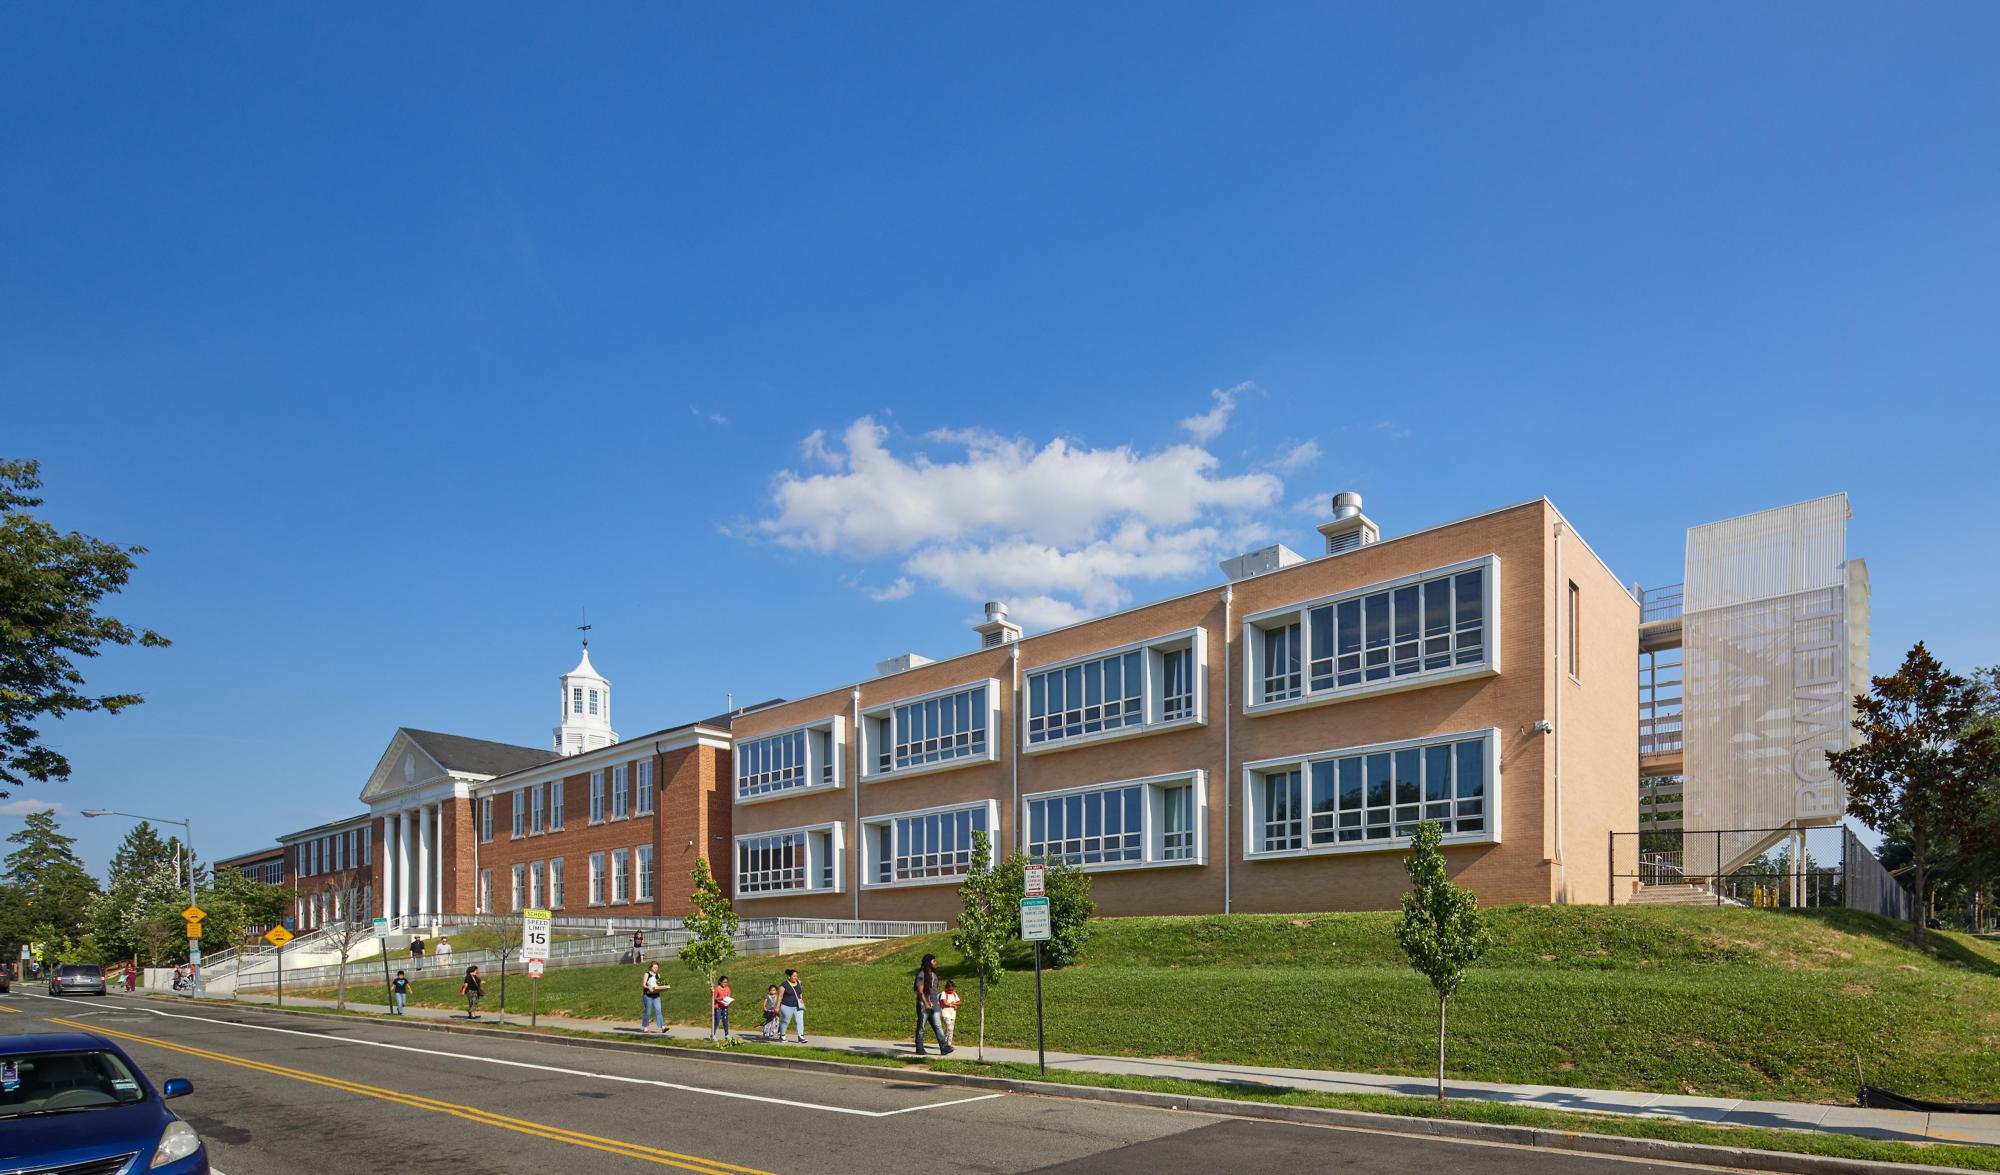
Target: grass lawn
x=1716, y=1002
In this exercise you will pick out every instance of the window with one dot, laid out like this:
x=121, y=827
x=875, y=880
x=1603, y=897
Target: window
x=576, y=699
x=642, y=792
x=1177, y=685
x=1373, y=797
x=556, y=806
x=926, y=732
x=793, y=860
x=368, y=845
x=643, y=858
x=924, y=846
x=486, y=818
x=520, y=813
x=597, y=879
x=1433, y=625
x=486, y=891
x=1575, y=630
x=597, y=797
x=621, y=876
x=621, y=793
x=339, y=861
x=534, y=885
x=556, y=884
x=1135, y=822
x=790, y=760
x=1120, y=692
x=1177, y=808
x=593, y=701
x=519, y=881
x=536, y=796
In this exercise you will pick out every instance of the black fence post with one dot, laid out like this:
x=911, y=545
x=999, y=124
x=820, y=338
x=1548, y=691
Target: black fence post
x=1611, y=868
x=1718, y=867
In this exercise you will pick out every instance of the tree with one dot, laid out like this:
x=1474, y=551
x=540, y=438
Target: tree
x=50, y=586
x=236, y=906
x=55, y=891
x=1441, y=930
x=139, y=864
x=1070, y=905
x=1920, y=764
x=710, y=929
x=345, y=933
x=985, y=922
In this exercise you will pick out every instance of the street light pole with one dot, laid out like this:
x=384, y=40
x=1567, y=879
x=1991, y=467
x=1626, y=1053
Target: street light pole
x=187, y=827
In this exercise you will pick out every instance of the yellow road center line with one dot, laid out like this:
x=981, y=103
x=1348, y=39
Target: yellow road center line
x=10, y=1011
x=614, y=1146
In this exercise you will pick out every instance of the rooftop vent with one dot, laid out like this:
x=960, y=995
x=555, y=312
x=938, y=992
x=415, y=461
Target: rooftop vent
x=900, y=664
x=997, y=630
x=1350, y=529
x=1258, y=562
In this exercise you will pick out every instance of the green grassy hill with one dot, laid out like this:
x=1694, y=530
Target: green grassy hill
x=1721, y=1002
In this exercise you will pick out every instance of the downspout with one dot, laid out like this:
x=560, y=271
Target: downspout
x=475, y=852
x=1014, y=755
x=1228, y=712
x=1561, y=594
x=854, y=784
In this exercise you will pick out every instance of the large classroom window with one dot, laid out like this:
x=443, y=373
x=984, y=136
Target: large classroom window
x=789, y=861
x=1372, y=797
x=930, y=731
x=935, y=844
x=784, y=761
x=1117, y=825
x=1116, y=693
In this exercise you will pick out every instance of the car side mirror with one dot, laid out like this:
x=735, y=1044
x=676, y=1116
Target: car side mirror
x=177, y=1087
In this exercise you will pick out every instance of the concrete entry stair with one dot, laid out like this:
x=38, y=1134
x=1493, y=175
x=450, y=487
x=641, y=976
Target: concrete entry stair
x=1678, y=895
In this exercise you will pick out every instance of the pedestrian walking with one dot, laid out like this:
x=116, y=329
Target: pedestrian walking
x=772, y=1031
x=417, y=952
x=722, y=1001
x=471, y=989
x=399, y=993
x=638, y=946
x=792, y=1005
x=444, y=953
x=131, y=977
x=948, y=1010
x=649, y=991
x=928, y=1005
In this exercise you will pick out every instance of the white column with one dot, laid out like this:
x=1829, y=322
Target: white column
x=439, y=891
x=388, y=867
x=423, y=861
x=403, y=864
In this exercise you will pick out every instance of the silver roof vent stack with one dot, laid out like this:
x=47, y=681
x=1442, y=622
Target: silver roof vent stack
x=997, y=630
x=1349, y=529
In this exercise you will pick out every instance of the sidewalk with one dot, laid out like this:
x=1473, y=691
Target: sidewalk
x=1890, y=1125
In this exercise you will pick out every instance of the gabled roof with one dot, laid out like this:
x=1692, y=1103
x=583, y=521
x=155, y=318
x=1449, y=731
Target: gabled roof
x=476, y=756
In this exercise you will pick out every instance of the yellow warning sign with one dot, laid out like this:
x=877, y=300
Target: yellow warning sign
x=277, y=936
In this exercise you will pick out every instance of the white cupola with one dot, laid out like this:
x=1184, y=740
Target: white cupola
x=584, y=720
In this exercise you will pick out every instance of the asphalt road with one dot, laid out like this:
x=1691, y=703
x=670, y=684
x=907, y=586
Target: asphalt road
x=276, y=1094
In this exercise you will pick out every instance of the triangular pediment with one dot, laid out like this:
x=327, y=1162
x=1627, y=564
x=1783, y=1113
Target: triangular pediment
x=404, y=767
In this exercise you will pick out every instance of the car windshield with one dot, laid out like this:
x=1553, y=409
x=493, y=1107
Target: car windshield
x=83, y=1079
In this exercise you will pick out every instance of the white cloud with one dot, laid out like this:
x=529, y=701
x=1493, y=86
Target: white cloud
x=1392, y=430
x=24, y=807
x=1296, y=457
x=1058, y=530
x=709, y=415
x=1209, y=425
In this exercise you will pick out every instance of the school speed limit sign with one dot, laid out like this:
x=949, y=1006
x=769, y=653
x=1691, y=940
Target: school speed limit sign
x=535, y=935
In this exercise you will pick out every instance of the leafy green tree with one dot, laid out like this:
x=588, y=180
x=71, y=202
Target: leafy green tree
x=236, y=904
x=1441, y=930
x=51, y=584
x=55, y=892
x=710, y=928
x=141, y=859
x=985, y=922
x=1070, y=906
x=1921, y=763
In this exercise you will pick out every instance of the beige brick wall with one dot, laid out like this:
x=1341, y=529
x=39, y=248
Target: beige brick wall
x=1600, y=724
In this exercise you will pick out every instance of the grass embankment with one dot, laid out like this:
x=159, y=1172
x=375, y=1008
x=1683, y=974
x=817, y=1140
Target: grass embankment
x=1716, y=1002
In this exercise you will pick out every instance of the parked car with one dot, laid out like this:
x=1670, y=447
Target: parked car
x=6, y=978
x=73, y=1101
x=76, y=979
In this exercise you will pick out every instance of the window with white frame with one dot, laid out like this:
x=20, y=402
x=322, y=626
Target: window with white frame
x=576, y=699
x=536, y=797
x=929, y=845
x=642, y=859
x=621, y=876
x=1135, y=822
x=518, y=882
x=1123, y=691
x=339, y=845
x=520, y=813
x=789, y=861
x=486, y=818
x=930, y=731
x=534, y=885
x=1433, y=625
x=597, y=879
x=798, y=759
x=556, y=884
x=621, y=793
x=486, y=891
x=642, y=790
x=368, y=845
x=1373, y=797
x=597, y=797
x=593, y=701
x=556, y=806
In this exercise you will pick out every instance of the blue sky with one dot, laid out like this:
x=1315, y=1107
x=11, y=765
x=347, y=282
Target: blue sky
x=401, y=340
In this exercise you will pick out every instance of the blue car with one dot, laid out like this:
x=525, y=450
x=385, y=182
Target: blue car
x=74, y=1102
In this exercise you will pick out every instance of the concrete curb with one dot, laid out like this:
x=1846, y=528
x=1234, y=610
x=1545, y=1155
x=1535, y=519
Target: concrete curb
x=1653, y=1149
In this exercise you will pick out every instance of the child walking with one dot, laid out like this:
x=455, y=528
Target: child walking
x=948, y=1012
x=771, y=1029
x=722, y=1001
x=400, y=990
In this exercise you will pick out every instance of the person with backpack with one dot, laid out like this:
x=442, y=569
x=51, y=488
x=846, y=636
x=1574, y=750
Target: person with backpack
x=928, y=1006
x=399, y=993
x=649, y=992
x=471, y=989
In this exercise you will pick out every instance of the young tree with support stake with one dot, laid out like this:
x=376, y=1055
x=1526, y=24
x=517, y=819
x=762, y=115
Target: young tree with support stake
x=986, y=921
x=1921, y=763
x=711, y=929
x=1441, y=929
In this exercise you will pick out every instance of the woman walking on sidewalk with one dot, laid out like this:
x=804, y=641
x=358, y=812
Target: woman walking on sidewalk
x=928, y=997
x=649, y=993
x=792, y=1005
x=471, y=990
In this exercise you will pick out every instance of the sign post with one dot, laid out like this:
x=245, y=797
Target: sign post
x=278, y=936
x=193, y=916
x=535, y=927
x=1035, y=929
x=382, y=945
